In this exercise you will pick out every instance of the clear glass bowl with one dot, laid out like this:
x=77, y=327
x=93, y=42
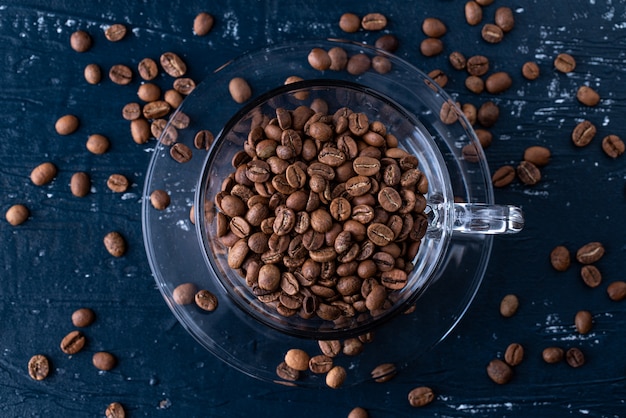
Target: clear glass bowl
x=182, y=249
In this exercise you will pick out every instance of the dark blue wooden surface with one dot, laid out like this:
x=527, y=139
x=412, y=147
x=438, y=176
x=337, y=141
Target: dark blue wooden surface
x=55, y=262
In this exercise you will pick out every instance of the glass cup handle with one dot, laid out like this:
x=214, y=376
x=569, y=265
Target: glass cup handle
x=481, y=218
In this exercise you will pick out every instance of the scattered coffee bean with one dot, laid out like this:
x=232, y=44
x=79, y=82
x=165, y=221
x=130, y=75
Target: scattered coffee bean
x=103, y=360
x=159, y=199
x=97, y=144
x=587, y=96
x=475, y=84
x=66, y=125
x=590, y=253
x=184, y=85
x=121, y=74
x=503, y=176
x=117, y=183
x=80, y=41
x=115, y=244
x=484, y=2
x=382, y=65
x=131, y=111
x=320, y=364
x=83, y=317
x=318, y=58
x=349, y=22
x=431, y=47
x=149, y=92
x=514, y=354
x=488, y=114
x=528, y=173
x=492, y=33
x=530, y=70
x=384, y=372
x=574, y=357
x=438, y=77
x=297, y=359
x=80, y=184
x=473, y=13
x=336, y=377
x=92, y=73
x=553, y=355
x=504, y=18
x=352, y=347
x=287, y=373
x=500, y=372
x=173, y=64
x=338, y=59
x=387, y=42
x=433, y=27
x=457, y=60
x=184, y=294
x=613, y=146
x=239, y=89
x=449, y=113
x=203, y=23
x=358, y=412
x=509, y=305
x=38, y=367
x=156, y=109
x=73, y=342
x=565, y=63
x=591, y=275
x=358, y=64
x=583, y=321
x=470, y=112
x=560, y=258
x=498, y=82
x=477, y=65
x=538, y=155
x=583, y=133
x=421, y=396
x=115, y=32
x=484, y=136
x=17, y=214
x=330, y=348
x=206, y=300
x=617, y=290
x=43, y=174
x=181, y=153
x=203, y=139
x=147, y=69
x=374, y=21
x=115, y=410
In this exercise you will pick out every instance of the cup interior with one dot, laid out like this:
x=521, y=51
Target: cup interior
x=413, y=137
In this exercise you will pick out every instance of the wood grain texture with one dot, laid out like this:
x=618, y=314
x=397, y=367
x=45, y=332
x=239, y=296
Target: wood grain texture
x=56, y=263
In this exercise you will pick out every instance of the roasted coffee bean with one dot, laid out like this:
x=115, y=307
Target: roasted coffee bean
x=80, y=41
x=583, y=322
x=330, y=348
x=504, y=18
x=156, y=109
x=477, y=65
x=390, y=199
x=421, y=396
x=115, y=410
x=492, y=33
x=147, y=69
x=352, y=347
x=613, y=146
x=583, y=133
x=115, y=32
x=338, y=59
x=503, y=176
x=103, y=360
x=509, y=305
x=384, y=372
x=488, y=114
x=528, y=173
x=374, y=21
x=184, y=85
x=500, y=372
x=552, y=355
x=394, y=279
x=336, y=377
x=73, y=342
x=538, y=155
x=285, y=372
x=565, y=63
x=83, y=317
x=121, y=74
x=181, y=153
x=591, y=275
x=358, y=412
x=131, y=111
x=473, y=13
x=475, y=84
x=66, y=125
x=574, y=357
x=433, y=27
x=118, y=183
x=387, y=42
x=297, y=359
x=484, y=137
x=203, y=23
x=115, y=244
x=97, y=144
x=530, y=70
x=184, y=293
x=590, y=253
x=92, y=73
x=560, y=258
x=159, y=199
x=173, y=64
x=358, y=64
x=380, y=64
x=439, y=77
x=448, y=113
x=430, y=47
x=17, y=214
x=43, y=174
x=38, y=367
x=349, y=22
x=80, y=184
x=203, y=139
x=457, y=60
x=514, y=354
x=320, y=364
x=318, y=58
x=617, y=290
x=587, y=96
x=498, y=82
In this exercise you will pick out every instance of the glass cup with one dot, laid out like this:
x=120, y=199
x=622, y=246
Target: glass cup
x=462, y=217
